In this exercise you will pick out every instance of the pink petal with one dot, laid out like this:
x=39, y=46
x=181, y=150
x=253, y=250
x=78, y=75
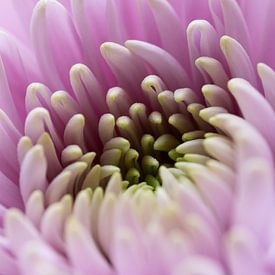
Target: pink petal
x=189, y=199
x=243, y=253
x=171, y=30
x=255, y=198
x=210, y=67
x=238, y=60
x=88, y=91
x=64, y=105
x=249, y=100
x=19, y=230
x=167, y=67
x=56, y=52
x=115, y=27
x=82, y=248
x=35, y=207
x=37, y=95
x=199, y=265
x=8, y=264
x=39, y=258
x=9, y=136
x=218, y=196
x=56, y=214
x=236, y=28
x=216, y=96
x=267, y=76
x=93, y=31
x=128, y=254
x=54, y=165
x=58, y=187
x=10, y=195
x=128, y=69
x=33, y=172
x=202, y=41
x=38, y=122
x=106, y=226
x=248, y=141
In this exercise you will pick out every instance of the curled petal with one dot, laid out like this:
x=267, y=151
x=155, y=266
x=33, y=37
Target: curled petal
x=106, y=127
x=88, y=91
x=164, y=63
x=58, y=187
x=39, y=121
x=127, y=67
x=74, y=131
x=238, y=60
x=216, y=96
x=202, y=41
x=54, y=165
x=210, y=67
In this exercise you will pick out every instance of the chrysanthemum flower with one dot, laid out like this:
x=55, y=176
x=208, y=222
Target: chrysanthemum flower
x=144, y=142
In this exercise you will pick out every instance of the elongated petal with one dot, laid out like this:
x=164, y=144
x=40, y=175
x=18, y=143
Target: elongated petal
x=236, y=28
x=207, y=45
x=35, y=207
x=39, y=258
x=8, y=264
x=127, y=68
x=49, y=17
x=210, y=186
x=243, y=253
x=267, y=76
x=82, y=249
x=249, y=143
x=40, y=118
x=37, y=95
x=164, y=66
x=56, y=214
x=19, y=230
x=249, y=99
x=93, y=31
x=33, y=172
x=210, y=67
x=54, y=166
x=199, y=265
x=10, y=194
x=255, y=198
x=170, y=29
x=87, y=90
x=238, y=60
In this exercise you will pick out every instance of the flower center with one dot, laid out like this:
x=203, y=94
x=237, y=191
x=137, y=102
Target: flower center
x=137, y=135
x=140, y=138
